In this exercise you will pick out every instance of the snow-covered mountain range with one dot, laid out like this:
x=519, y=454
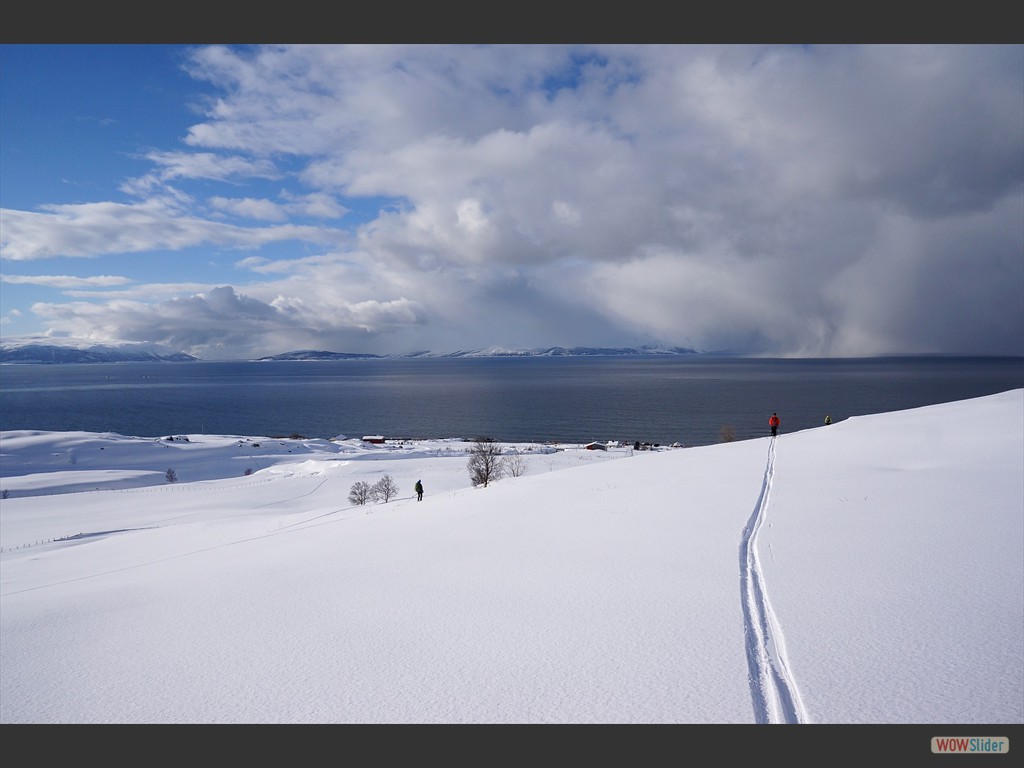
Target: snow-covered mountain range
x=43, y=349
x=494, y=352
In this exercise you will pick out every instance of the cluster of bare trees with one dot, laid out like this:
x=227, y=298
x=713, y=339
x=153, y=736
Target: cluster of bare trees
x=486, y=462
x=383, y=490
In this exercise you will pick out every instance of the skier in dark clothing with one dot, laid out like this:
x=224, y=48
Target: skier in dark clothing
x=774, y=422
x=419, y=491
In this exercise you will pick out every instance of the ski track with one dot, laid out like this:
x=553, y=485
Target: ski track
x=773, y=689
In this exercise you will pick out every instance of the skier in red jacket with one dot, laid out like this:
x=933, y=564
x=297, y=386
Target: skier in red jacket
x=773, y=422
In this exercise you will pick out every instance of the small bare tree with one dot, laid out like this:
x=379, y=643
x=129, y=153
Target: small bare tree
x=485, y=462
x=515, y=465
x=171, y=475
x=727, y=433
x=359, y=493
x=384, y=489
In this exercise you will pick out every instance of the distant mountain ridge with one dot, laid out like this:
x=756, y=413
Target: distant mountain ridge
x=44, y=350
x=317, y=354
x=572, y=352
x=496, y=352
x=29, y=351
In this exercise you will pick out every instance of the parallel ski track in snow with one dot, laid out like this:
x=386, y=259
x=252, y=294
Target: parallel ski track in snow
x=773, y=689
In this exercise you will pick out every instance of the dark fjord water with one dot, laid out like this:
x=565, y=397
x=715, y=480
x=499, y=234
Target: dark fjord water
x=654, y=399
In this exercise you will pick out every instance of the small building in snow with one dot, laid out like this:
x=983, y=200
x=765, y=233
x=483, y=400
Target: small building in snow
x=375, y=439
x=596, y=447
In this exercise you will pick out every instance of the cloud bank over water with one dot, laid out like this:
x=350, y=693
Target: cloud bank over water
x=778, y=200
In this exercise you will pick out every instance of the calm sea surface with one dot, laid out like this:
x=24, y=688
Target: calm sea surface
x=652, y=399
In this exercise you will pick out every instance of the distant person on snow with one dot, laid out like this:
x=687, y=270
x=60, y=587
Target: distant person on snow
x=773, y=422
x=828, y=420
x=419, y=491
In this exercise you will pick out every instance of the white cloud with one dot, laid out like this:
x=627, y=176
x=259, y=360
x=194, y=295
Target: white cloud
x=207, y=165
x=213, y=321
x=95, y=229
x=66, y=281
x=737, y=195
x=264, y=210
x=319, y=206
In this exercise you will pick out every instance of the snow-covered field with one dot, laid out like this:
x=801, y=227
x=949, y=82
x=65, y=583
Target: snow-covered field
x=871, y=571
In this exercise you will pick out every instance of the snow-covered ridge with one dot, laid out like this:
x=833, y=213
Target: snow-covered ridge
x=317, y=354
x=308, y=354
x=569, y=352
x=866, y=572
x=45, y=349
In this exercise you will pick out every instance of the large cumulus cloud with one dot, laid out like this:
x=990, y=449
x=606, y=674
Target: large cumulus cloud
x=837, y=200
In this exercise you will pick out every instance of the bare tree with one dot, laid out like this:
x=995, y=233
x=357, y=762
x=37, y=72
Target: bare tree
x=485, y=462
x=727, y=433
x=384, y=489
x=359, y=493
x=515, y=465
x=171, y=475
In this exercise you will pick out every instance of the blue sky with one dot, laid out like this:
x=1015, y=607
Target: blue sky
x=239, y=201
